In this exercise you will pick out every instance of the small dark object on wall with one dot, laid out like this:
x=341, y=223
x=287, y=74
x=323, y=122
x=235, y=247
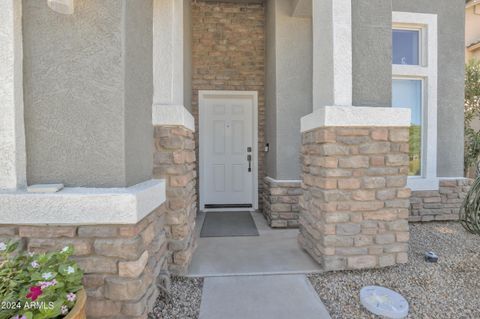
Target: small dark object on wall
x=431, y=257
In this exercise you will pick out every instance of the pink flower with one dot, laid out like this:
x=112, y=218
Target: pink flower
x=34, y=293
x=34, y=264
x=19, y=317
x=71, y=297
x=46, y=284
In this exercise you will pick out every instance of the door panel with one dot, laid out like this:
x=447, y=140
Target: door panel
x=227, y=130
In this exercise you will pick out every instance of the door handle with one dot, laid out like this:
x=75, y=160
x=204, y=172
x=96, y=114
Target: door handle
x=249, y=159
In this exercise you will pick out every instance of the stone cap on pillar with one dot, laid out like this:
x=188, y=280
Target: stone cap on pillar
x=356, y=116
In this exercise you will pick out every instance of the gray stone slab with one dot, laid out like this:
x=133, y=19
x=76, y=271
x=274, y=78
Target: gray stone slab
x=261, y=297
x=228, y=224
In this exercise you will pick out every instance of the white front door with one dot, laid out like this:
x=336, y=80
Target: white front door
x=227, y=150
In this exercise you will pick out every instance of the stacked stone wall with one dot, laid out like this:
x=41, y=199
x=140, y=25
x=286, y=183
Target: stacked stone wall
x=355, y=206
x=228, y=52
x=439, y=205
x=125, y=266
x=281, y=203
x=175, y=161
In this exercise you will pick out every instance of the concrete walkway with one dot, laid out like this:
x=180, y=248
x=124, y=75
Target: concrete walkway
x=275, y=251
x=261, y=297
x=256, y=277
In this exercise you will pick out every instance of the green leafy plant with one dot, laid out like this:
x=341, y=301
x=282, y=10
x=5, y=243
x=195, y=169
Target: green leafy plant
x=472, y=111
x=37, y=286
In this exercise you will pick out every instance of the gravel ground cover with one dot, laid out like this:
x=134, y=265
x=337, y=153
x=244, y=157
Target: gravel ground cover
x=183, y=301
x=447, y=289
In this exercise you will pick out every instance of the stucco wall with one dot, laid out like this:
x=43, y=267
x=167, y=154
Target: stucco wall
x=451, y=26
x=289, y=63
x=270, y=89
x=371, y=50
x=87, y=117
x=138, y=91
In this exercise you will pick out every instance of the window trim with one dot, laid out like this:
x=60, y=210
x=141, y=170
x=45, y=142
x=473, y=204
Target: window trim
x=427, y=70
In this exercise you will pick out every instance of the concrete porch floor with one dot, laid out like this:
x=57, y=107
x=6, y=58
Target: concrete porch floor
x=275, y=251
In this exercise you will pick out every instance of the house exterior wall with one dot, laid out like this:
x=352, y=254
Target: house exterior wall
x=138, y=94
x=270, y=89
x=229, y=54
x=472, y=31
x=293, y=46
x=451, y=24
x=288, y=97
x=371, y=50
x=88, y=88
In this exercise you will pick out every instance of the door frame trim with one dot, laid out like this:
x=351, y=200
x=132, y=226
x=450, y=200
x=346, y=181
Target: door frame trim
x=203, y=95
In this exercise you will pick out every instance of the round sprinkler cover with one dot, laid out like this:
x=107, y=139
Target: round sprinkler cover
x=384, y=302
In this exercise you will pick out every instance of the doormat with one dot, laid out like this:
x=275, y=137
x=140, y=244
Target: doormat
x=228, y=224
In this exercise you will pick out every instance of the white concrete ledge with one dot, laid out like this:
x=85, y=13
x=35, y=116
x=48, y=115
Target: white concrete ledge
x=82, y=206
x=348, y=116
x=273, y=180
x=172, y=115
x=428, y=184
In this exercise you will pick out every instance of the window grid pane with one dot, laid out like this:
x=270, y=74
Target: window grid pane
x=406, y=47
x=407, y=93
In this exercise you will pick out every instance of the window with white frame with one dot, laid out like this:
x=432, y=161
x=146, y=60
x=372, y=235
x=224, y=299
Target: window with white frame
x=414, y=86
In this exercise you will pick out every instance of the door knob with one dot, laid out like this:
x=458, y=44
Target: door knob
x=249, y=159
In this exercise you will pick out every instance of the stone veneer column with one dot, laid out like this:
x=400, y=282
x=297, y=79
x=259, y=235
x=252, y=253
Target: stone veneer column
x=281, y=202
x=125, y=266
x=174, y=157
x=355, y=204
x=174, y=161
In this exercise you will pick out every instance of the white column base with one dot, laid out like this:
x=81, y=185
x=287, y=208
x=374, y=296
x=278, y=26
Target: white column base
x=356, y=116
x=172, y=115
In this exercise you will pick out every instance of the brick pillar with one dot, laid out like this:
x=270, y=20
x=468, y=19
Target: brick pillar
x=174, y=161
x=355, y=206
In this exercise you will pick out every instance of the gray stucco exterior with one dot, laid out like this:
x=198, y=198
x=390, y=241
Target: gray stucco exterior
x=88, y=93
x=110, y=51
x=138, y=95
x=371, y=53
x=270, y=90
x=451, y=59
x=372, y=75
x=288, y=87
